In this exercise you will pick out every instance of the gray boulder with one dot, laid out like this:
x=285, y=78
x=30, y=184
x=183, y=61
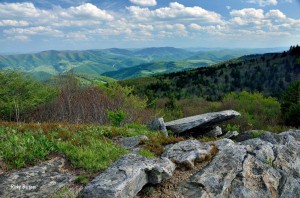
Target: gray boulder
x=261, y=167
x=38, y=181
x=185, y=153
x=158, y=124
x=127, y=176
x=200, y=123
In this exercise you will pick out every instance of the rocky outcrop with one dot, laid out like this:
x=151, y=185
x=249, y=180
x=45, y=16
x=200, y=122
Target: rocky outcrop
x=186, y=153
x=268, y=166
x=200, y=124
x=38, y=181
x=126, y=177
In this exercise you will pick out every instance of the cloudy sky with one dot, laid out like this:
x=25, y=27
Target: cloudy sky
x=35, y=25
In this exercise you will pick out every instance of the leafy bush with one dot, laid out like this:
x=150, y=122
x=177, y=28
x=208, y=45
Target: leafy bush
x=19, y=93
x=117, y=117
x=257, y=111
x=290, y=106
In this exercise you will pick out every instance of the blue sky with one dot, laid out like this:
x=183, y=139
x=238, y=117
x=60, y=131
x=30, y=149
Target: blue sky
x=37, y=25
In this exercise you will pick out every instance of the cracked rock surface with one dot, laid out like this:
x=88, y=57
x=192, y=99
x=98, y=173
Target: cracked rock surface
x=37, y=181
x=185, y=153
x=127, y=176
x=262, y=167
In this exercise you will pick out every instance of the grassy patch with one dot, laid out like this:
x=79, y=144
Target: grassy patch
x=86, y=146
x=147, y=153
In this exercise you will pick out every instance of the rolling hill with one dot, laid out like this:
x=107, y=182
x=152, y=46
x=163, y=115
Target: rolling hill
x=115, y=62
x=267, y=73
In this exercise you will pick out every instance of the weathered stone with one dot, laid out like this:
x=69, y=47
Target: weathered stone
x=131, y=142
x=230, y=134
x=127, y=176
x=39, y=181
x=185, y=153
x=223, y=143
x=200, y=122
x=158, y=125
x=261, y=167
x=214, y=132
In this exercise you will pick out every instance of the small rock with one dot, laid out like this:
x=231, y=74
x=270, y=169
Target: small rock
x=215, y=132
x=230, y=134
x=158, y=125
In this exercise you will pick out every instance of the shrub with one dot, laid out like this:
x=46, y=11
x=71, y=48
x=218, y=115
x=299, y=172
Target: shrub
x=19, y=93
x=117, y=117
x=258, y=112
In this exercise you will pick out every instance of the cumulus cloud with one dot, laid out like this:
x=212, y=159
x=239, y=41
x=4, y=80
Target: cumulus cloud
x=86, y=11
x=13, y=23
x=39, y=30
x=144, y=2
x=175, y=11
x=263, y=3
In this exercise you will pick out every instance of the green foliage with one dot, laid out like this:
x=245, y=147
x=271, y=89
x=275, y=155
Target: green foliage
x=117, y=117
x=85, y=146
x=147, y=153
x=19, y=94
x=82, y=179
x=232, y=127
x=257, y=134
x=291, y=105
x=21, y=149
x=269, y=74
x=257, y=111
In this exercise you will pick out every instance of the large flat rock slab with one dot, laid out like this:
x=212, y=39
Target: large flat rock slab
x=262, y=168
x=127, y=176
x=198, y=122
x=38, y=181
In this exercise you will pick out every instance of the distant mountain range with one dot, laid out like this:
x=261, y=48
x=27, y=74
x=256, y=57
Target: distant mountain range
x=269, y=73
x=119, y=63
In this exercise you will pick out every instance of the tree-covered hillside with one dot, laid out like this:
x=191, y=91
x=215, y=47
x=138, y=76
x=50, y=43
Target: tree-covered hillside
x=268, y=73
x=96, y=62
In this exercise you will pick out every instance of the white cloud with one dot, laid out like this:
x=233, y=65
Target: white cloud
x=263, y=3
x=39, y=30
x=144, y=2
x=13, y=23
x=175, y=11
x=86, y=11
x=277, y=14
x=248, y=13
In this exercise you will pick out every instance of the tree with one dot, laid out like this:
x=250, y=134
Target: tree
x=290, y=106
x=19, y=93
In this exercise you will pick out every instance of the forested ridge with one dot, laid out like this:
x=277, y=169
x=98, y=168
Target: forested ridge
x=269, y=74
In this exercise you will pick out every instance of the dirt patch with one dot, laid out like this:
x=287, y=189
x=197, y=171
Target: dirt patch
x=168, y=188
x=3, y=167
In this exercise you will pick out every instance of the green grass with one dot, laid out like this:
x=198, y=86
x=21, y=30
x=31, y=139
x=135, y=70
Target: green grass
x=146, y=153
x=86, y=146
